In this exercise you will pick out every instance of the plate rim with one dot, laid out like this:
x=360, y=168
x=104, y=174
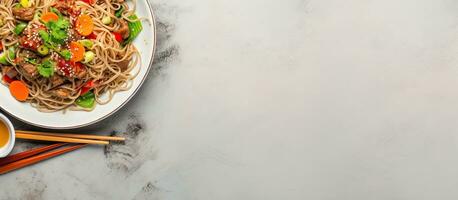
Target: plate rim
x=150, y=65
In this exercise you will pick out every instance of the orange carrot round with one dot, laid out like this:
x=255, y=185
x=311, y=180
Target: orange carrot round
x=19, y=90
x=77, y=50
x=49, y=16
x=84, y=25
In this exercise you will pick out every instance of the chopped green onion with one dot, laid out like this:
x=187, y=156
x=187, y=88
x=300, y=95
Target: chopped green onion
x=66, y=54
x=19, y=28
x=3, y=59
x=31, y=60
x=44, y=35
x=106, y=20
x=88, y=56
x=87, y=43
x=8, y=56
x=43, y=50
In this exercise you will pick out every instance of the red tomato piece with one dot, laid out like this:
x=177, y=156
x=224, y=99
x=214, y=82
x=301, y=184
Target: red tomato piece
x=87, y=87
x=117, y=36
x=69, y=68
x=7, y=79
x=91, y=36
x=88, y=1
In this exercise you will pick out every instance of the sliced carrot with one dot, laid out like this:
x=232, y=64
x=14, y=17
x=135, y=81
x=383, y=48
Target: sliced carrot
x=84, y=25
x=77, y=50
x=1, y=47
x=49, y=16
x=19, y=90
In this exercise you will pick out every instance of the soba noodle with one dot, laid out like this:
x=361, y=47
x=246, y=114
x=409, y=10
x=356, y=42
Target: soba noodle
x=104, y=69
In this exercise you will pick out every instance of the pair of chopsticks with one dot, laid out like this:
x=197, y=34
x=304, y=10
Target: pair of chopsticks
x=33, y=156
x=69, y=138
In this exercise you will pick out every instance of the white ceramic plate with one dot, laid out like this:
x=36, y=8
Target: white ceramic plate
x=146, y=44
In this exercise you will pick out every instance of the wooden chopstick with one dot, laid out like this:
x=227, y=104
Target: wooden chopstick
x=81, y=136
x=26, y=154
x=58, y=139
x=32, y=160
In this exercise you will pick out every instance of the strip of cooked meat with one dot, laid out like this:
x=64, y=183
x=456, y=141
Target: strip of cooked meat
x=61, y=92
x=9, y=71
x=73, y=35
x=79, y=84
x=30, y=69
x=57, y=80
x=27, y=54
x=81, y=72
x=24, y=14
x=64, y=6
x=31, y=39
x=123, y=28
x=123, y=65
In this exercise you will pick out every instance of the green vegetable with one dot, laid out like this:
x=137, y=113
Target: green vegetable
x=44, y=35
x=87, y=43
x=86, y=101
x=47, y=40
x=66, y=54
x=58, y=36
x=88, y=56
x=46, y=68
x=31, y=61
x=43, y=50
x=58, y=30
x=134, y=28
x=7, y=56
x=106, y=20
x=118, y=12
x=19, y=28
x=62, y=23
x=25, y=3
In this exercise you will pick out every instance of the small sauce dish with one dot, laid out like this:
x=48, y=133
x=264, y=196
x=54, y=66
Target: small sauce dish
x=7, y=136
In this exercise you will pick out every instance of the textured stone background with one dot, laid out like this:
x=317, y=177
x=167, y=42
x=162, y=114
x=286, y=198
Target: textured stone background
x=268, y=99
